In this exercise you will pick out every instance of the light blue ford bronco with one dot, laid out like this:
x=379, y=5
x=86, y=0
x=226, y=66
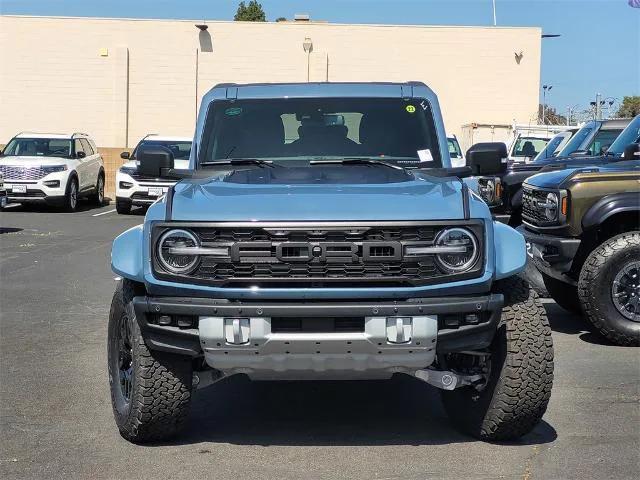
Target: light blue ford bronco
x=320, y=232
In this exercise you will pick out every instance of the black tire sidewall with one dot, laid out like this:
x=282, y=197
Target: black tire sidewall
x=72, y=208
x=121, y=408
x=599, y=292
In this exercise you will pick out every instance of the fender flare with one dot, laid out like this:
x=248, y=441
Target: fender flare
x=516, y=200
x=610, y=205
x=510, y=251
x=127, y=254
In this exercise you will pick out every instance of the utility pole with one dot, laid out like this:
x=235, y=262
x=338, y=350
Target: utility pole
x=598, y=106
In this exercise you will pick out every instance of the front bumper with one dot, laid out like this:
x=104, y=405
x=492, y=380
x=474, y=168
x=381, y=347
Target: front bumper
x=552, y=255
x=401, y=336
x=139, y=192
x=37, y=191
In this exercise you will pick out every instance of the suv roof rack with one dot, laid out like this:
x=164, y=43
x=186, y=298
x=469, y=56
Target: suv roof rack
x=78, y=133
x=37, y=133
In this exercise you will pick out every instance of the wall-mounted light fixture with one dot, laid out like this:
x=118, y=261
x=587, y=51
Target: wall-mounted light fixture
x=307, y=45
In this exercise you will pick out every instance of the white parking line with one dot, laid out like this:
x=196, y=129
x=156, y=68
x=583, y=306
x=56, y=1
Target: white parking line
x=103, y=213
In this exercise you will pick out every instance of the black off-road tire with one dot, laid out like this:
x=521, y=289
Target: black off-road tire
x=160, y=388
x=123, y=208
x=594, y=288
x=563, y=294
x=521, y=372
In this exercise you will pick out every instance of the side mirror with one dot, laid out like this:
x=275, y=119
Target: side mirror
x=488, y=158
x=80, y=154
x=154, y=160
x=632, y=152
x=125, y=155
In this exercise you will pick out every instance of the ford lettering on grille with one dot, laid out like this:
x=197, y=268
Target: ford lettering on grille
x=316, y=252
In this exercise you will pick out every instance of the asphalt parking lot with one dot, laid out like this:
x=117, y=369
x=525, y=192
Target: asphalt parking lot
x=56, y=422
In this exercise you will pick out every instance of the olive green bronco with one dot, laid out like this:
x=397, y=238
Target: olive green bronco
x=582, y=228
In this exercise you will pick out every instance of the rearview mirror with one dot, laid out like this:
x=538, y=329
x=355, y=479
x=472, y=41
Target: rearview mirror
x=154, y=160
x=632, y=152
x=489, y=158
x=125, y=155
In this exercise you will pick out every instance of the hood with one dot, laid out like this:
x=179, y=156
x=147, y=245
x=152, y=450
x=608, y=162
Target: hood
x=572, y=161
x=32, y=161
x=178, y=164
x=554, y=178
x=363, y=193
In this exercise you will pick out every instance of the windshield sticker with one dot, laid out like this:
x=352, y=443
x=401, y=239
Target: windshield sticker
x=411, y=109
x=425, y=155
x=232, y=111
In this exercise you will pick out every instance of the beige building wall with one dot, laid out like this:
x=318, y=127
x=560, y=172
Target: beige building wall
x=118, y=79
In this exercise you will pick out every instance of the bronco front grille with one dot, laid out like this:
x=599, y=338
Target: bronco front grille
x=318, y=255
x=531, y=212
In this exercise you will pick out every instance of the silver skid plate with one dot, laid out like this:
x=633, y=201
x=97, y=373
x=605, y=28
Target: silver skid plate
x=387, y=345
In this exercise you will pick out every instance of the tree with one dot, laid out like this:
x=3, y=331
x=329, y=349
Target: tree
x=250, y=13
x=630, y=107
x=281, y=19
x=552, y=117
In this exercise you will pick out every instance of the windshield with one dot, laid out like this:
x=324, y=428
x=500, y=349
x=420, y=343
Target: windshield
x=631, y=134
x=389, y=129
x=554, y=146
x=602, y=141
x=180, y=149
x=38, y=147
x=577, y=141
x=454, y=148
x=528, y=147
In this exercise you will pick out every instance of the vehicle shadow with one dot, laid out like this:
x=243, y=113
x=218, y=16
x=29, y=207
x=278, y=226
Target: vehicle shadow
x=401, y=411
x=10, y=230
x=84, y=205
x=562, y=321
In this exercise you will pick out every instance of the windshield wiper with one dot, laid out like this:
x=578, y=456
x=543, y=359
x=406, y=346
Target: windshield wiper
x=240, y=161
x=355, y=161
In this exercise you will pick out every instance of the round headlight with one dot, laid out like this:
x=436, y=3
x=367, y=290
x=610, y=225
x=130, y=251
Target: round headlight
x=551, y=207
x=462, y=250
x=487, y=190
x=172, y=254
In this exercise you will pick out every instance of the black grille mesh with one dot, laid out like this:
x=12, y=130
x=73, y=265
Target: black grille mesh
x=530, y=210
x=358, y=256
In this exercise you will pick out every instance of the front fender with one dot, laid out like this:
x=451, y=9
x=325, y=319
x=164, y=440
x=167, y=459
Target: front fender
x=127, y=255
x=510, y=251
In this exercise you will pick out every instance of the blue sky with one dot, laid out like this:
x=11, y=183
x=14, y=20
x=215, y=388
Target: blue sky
x=597, y=52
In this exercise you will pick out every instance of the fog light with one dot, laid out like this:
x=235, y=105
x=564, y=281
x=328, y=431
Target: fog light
x=185, y=322
x=164, y=320
x=472, y=318
x=52, y=183
x=126, y=185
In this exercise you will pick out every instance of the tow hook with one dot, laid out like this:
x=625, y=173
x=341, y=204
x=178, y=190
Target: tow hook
x=205, y=378
x=447, y=380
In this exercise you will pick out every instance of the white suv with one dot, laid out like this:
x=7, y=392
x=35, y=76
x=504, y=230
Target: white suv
x=3, y=193
x=54, y=169
x=133, y=189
